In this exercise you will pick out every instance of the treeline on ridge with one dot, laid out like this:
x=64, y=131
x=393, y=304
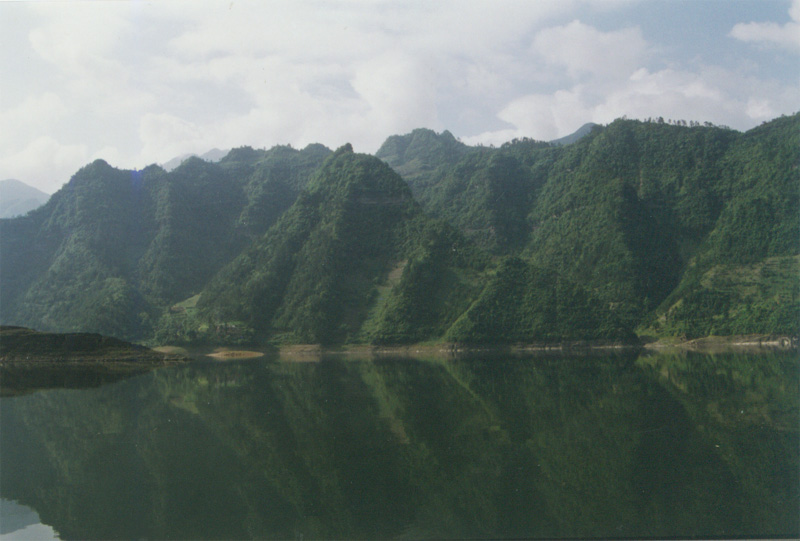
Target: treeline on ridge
x=637, y=228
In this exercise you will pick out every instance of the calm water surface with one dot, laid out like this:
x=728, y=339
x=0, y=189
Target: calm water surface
x=682, y=445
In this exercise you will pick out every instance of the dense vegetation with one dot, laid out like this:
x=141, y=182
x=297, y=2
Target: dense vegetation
x=112, y=249
x=665, y=229
x=524, y=304
x=19, y=344
x=315, y=276
x=679, y=230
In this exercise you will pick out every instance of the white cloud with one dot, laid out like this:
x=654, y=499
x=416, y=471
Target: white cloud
x=547, y=116
x=89, y=44
x=580, y=49
x=609, y=77
x=399, y=92
x=348, y=72
x=35, y=115
x=165, y=136
x=111, y=155
x=709, y=94
x=42, y=162
x=81, y=37
x=786, y=36
x=137, y=82
x=759, y=108
x=669, y=93
x=358, y=30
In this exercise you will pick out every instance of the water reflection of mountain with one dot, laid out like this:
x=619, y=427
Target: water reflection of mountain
x=486, y=447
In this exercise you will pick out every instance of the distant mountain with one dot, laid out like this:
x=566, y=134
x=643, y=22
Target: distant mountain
x=17, y=198
x=418, y=155
x=584, y=130
x=213, y=155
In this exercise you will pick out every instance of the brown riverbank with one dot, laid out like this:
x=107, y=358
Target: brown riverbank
x=723, y=343
x=312, y=352
x=709, y=344
x=226, y=354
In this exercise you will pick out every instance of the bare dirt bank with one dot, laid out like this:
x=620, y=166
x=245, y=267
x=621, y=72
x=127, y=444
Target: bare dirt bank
x=311, y=352
x=225, y=354
x=725, y=343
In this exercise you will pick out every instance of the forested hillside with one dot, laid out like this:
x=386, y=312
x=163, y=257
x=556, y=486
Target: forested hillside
x=113, y=248
x=681, y=230
x=658, y=228
x=354, y=259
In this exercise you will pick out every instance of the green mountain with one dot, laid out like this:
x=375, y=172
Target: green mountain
x=487, y=195
x=639, y=214
x=113, y=248
x=525, y=304
x=744, y=276
x=419, y=155
x=668, y=229
x=351, y=255
x=356, y=260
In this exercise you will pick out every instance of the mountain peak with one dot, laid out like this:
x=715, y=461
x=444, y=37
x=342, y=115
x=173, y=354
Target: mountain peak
x=213, y=155
x=421, y=148
x=581, y=132
x=17, y=198
x=346, y=148
x=359, y=175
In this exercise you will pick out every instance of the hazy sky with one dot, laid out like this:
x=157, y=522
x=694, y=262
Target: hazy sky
x=137, y=82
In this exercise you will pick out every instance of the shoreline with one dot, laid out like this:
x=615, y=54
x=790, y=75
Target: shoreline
x=722, y=343
x=709, y=344
x=104, y=351
x=20, y=346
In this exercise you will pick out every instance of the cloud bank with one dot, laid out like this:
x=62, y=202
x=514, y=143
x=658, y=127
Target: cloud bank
x=142, y=82
x=785, y=36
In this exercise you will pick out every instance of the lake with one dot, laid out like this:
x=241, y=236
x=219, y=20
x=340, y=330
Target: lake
x=480, y=446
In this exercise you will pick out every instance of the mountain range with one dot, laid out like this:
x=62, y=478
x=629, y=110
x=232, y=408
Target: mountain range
x=17, y=198
x=636, y=228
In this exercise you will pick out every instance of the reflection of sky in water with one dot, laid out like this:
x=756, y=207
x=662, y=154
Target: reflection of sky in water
x=20, y=522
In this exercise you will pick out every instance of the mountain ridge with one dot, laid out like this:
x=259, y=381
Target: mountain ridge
x=213, y=155
x=18, y=198
x=583, y=131
x=668, y=229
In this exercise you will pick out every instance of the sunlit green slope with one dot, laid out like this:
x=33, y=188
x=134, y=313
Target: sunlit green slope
x=351, y=255
x=639, y=214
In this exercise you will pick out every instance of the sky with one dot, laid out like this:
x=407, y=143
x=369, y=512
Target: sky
x=140, y=82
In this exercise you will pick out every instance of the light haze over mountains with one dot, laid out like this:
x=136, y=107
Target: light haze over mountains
x=17, y=198
x=136, y=83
